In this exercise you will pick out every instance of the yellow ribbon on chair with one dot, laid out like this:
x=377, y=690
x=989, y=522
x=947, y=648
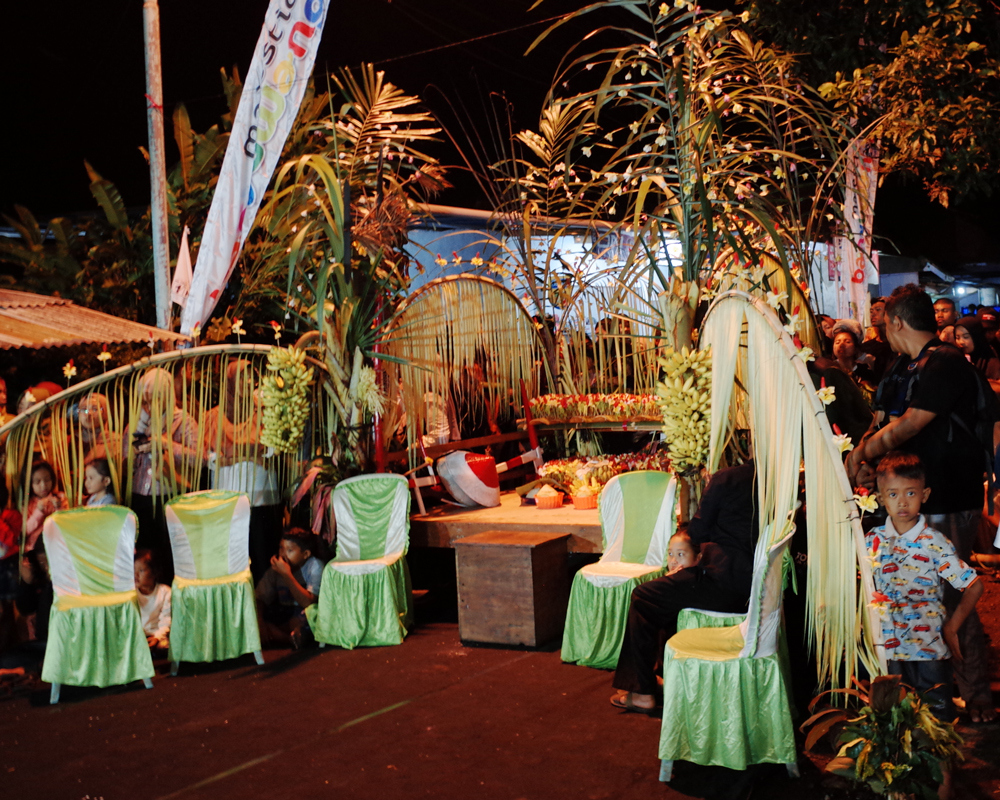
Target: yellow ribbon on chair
x=65, y=602
x=236, y=577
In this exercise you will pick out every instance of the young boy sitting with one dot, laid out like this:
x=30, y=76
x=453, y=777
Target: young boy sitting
x=910, y=562
x=287, y=588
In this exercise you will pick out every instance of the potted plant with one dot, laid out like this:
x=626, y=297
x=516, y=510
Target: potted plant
x=894, y=744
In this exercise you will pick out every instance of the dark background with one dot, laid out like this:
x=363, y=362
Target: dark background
x=74, y=81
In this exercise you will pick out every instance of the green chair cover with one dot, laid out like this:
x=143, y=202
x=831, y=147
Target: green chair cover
x=725, y=694
x=364, y=599
x=212, y=599
x=95, y=632
x=637, y=513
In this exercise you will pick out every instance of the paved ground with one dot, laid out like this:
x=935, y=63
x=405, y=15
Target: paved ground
x=430, y=718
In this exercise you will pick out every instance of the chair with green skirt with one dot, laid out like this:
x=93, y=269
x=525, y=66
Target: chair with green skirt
x=95, y=632
x=638, y=516
x=214, y=615
x=364, y=598
x=726, y=699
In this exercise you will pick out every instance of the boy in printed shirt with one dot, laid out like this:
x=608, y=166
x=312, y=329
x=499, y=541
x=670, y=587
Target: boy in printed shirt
x=910, y=562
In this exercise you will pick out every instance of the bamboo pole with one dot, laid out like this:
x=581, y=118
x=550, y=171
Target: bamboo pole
x=157, y=163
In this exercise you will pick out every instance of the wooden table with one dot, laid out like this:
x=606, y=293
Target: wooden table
x=442, y=526
x=513, y=587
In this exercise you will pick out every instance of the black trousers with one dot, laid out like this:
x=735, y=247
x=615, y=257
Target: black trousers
x=652, y=619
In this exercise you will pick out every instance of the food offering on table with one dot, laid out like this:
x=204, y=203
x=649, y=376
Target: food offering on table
x=601, y=469
x=685, y=399
x=548, y=497
x=557, y=408
x=585, y=493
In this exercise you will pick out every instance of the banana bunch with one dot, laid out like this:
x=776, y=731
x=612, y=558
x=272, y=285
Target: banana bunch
x=590, y=484
x=285, y=393
x=685, y=399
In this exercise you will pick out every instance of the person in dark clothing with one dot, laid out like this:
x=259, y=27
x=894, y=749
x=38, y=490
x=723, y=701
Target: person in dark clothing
x=928, y=408
x=849, y=410
x=725, y=529
x=878, y=346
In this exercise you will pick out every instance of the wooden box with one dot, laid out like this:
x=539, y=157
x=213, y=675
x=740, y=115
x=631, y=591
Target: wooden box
x=513, y=587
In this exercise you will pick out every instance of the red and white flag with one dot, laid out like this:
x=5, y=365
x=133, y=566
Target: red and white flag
x=272, y=93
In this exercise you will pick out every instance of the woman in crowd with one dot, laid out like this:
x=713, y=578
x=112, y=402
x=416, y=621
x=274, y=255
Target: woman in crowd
x=847, y=336
x=970, y=338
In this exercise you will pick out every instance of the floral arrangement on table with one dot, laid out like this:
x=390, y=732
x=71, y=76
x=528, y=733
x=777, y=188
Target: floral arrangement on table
x=594, y=408
x=596, y=472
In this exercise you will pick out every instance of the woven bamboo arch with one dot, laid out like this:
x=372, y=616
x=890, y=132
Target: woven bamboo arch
x=55, y=430
x=760, y=382
x=454, y=324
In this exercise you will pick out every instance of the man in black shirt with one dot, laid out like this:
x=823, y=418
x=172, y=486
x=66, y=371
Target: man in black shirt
x=935, y=396
x=725, y=528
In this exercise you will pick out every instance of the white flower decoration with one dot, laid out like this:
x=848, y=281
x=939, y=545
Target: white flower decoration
x=843, y=442
x=826, y=395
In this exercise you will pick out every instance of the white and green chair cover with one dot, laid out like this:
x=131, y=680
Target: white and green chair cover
x=638, y=516
x=364, y=599
x=726, y=699
x=214, y=615
x=95, y=632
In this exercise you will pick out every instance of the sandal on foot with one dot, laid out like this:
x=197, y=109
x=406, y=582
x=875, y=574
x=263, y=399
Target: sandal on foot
x=623, y=701
x=982, y=713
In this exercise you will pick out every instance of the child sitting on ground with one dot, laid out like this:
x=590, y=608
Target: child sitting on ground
x=680, y=553
x=97, y=483
x=912, y=562
x=45, y=499
x=287, y=589
x=154, y=601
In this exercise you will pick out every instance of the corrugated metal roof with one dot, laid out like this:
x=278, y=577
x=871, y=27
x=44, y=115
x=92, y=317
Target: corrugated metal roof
x=35, y=321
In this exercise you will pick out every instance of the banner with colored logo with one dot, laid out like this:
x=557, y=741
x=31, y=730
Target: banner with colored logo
x=272, y=93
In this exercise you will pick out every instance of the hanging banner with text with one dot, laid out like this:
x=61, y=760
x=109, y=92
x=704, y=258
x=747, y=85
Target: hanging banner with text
x=857, y=256
x=272, y=93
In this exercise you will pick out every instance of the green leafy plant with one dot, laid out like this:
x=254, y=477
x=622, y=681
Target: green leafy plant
x=893, y=743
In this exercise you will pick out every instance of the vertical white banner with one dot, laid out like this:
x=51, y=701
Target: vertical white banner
x=857, y=267
x=272, y=93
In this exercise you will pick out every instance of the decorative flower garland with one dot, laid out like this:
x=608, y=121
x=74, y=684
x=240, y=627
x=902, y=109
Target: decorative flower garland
x=594, y=408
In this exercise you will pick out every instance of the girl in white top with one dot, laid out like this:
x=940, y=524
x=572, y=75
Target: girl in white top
x=154, y=601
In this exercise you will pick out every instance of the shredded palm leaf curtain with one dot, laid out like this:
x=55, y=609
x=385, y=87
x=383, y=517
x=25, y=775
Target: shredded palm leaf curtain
x=215, y=386
x=452, y=324
x=758, y=376
x=621, y=333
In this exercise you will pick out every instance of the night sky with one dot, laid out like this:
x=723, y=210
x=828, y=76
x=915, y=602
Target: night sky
x=74, y=80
